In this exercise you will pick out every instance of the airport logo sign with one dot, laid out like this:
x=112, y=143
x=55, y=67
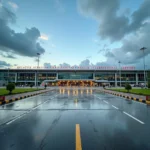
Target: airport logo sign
x=77, y=67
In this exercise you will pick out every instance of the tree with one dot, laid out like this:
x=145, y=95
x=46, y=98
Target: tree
x=128, y=87
x=148, y=79
x=31, y=85
x=149, y=85
x=10, y=87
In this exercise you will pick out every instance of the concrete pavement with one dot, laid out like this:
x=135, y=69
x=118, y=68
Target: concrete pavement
x=75, y=118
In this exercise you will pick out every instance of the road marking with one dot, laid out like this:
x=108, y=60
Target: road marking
x=115, y=107
x=106, y=102
x=97, y=97
x=133, y=117
x=18, y=117
x=78, y=138
x=29, y=111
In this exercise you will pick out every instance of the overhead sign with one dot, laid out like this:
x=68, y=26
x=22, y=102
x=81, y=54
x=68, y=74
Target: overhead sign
x=77, y=67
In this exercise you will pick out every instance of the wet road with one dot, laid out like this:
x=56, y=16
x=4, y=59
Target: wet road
x=77, y=118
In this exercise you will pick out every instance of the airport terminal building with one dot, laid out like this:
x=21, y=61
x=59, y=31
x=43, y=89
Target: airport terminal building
x=72, y=76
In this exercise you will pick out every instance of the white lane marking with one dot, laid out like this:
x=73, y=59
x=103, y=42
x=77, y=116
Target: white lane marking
x=133, y=117
x=15, y=118
x=30, y=110
x=115, y=107
x=106, y=102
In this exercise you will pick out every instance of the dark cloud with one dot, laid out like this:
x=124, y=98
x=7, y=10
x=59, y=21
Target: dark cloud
x=4, y=64
x=24, y=44
x=7, y=55
x=112, y=25
x=140, y=15
x=129, y=52
x=6, y=15
x=131, y=29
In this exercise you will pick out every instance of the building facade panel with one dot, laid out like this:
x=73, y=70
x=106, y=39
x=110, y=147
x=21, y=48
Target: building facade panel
x=34, y=76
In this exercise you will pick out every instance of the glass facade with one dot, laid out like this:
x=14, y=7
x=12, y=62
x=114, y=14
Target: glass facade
x=105, y=76
x=25, y=76
x=46, y=76
x=51, y=76
x=141, y=77
x=29, y=76
x=5, y=76
x=74, y=75
x=127, y=77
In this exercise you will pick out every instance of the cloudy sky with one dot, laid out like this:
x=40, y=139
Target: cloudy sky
x=74, y=32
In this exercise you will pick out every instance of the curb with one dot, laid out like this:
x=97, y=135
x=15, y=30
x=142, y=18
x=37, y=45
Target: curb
x=19, y=98
x=129, y=97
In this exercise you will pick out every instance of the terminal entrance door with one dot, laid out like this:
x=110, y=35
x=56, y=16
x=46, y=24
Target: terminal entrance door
x=75, y=83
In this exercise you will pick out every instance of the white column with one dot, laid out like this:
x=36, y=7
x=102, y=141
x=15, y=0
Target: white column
x=115, y=79
x=137, y=79
x=94, y=76
x=15, y=77
x=35, y=79
x=57, y=76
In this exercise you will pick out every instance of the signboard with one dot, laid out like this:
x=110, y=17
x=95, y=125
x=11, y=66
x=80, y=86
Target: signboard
x=77, y=67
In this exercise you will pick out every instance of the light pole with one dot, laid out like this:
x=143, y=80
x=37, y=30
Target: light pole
x=38, y=59
x=8, y=76
x=120, y=71
x=143, y=49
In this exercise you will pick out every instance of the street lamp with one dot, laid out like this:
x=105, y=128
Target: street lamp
x=143, y=49
x=38, y=59
x=7, y=75
x=120, y=72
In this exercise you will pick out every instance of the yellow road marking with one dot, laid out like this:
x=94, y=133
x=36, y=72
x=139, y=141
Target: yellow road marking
x=78, y=138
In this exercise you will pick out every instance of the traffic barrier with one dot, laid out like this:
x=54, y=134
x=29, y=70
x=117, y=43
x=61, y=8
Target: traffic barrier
x=148, y=100
x=132, y=98
x=3, y=101
x=2, y=98
x=6, y=101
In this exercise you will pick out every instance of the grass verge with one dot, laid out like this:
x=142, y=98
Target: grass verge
x=134, y=91
x=17, y=91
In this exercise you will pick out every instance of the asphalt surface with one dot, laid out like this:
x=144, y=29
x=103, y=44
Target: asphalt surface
x=51, y=121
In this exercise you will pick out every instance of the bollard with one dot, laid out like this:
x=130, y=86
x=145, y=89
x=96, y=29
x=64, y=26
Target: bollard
x=2, y=98
x=148, y=100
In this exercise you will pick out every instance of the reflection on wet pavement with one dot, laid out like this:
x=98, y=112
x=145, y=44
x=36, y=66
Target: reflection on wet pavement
x=52, y=121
